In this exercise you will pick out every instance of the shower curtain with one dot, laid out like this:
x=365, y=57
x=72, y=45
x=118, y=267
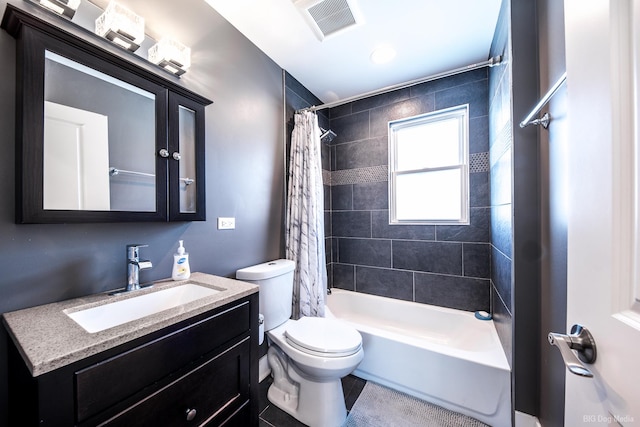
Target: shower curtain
x=305, y=218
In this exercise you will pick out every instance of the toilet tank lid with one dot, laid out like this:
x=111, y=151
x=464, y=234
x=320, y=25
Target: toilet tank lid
x=266, y=270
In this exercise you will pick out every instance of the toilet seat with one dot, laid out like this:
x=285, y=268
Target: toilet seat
x=323, y=337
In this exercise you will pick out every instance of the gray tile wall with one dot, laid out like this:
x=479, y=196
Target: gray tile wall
x=442, y=265
x=500, y=159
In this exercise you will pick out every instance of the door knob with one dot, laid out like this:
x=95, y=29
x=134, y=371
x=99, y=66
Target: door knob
x=580, y=340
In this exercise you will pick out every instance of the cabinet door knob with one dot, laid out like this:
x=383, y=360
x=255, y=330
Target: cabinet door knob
x=191, y=414
x=164, y=153
x=176, y=155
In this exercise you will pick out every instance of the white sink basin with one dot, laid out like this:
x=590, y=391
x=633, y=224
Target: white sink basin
x=112, y=314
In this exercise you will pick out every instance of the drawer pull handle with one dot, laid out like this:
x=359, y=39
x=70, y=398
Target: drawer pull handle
x=191, y=414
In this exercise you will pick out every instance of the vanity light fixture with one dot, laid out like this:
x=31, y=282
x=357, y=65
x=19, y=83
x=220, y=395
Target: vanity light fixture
x=121, y=26
x=171, y=55
x=65, y=8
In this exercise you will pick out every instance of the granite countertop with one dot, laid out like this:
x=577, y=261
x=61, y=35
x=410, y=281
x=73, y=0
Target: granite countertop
x=49, y=339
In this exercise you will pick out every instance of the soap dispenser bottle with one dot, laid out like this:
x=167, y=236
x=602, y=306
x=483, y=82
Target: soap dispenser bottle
x=181, y=270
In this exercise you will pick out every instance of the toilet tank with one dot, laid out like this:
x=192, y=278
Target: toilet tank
x=275, y=279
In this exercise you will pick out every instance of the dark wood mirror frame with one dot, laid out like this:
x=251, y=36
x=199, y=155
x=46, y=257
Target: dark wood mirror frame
x=35, y=32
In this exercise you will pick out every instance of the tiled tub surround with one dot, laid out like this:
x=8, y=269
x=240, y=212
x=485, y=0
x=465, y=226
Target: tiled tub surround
x=501, y=179
x=48, y=339
x=443, y=265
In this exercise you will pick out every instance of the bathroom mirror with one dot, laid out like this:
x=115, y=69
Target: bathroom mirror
x=102, y=135
x=99, y=140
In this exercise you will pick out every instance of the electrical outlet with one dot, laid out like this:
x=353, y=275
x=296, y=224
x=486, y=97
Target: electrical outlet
x=226, y=223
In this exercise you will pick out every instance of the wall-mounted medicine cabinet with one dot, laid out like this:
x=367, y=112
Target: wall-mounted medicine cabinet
x=101, y=135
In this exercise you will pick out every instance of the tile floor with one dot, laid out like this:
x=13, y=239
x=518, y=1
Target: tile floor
x=272, y=416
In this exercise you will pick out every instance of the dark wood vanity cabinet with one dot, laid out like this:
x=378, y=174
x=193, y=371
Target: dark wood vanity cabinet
x=200, y=372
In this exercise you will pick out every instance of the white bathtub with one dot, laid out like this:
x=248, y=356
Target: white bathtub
x=441, y=355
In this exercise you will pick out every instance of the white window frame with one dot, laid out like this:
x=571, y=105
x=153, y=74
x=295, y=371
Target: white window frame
x=460, y=112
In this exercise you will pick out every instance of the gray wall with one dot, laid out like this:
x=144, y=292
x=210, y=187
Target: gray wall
x=244, y=178
x=553, y=179
x=441, y=265
x=526, y=210
x=515, y=199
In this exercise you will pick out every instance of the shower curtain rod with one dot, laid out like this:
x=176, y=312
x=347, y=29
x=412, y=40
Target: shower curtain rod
x=491, y=62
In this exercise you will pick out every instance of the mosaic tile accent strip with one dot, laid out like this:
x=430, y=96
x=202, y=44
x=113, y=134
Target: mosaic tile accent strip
x=360, y=175
x=326, y=177
x=479, y=162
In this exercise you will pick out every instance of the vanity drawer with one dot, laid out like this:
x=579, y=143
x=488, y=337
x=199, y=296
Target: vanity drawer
x=210, y=394
x=109, y=382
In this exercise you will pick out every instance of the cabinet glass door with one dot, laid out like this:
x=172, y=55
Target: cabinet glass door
x=186, y=146
x=186, y=161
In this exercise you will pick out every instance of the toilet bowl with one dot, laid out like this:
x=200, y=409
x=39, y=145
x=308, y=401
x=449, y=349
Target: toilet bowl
x=308, y=357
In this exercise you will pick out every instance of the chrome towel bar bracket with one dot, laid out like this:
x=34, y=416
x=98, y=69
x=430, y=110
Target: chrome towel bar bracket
x=544, y=120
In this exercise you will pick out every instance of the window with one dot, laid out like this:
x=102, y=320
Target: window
x=429, y=168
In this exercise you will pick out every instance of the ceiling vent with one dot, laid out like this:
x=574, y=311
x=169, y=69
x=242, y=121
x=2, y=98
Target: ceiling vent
x=329, y=17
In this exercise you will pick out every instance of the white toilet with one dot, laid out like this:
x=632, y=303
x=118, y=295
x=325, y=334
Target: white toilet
x=308, y=357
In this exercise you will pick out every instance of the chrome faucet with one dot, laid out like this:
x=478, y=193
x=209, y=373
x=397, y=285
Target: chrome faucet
x=134, y=265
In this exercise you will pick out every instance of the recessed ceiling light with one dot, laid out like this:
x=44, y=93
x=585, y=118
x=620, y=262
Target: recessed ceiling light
x=383, y=54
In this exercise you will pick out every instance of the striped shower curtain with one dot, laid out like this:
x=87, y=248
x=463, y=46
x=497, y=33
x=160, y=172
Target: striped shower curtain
x=305, y=218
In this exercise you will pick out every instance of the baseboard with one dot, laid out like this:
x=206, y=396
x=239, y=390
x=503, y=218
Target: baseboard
x=263, y=368
x=526, y=420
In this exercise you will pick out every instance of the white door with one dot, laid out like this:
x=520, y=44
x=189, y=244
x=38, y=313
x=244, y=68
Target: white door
x=76, y=159
x=603, y=231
